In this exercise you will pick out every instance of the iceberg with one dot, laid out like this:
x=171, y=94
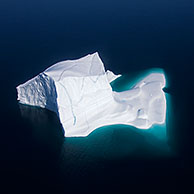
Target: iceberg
x=80, y=93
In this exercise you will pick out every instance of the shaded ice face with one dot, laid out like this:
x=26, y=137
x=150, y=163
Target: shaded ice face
x=79, y=91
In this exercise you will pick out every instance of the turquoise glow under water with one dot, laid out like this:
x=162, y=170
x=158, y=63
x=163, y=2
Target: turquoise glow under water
x=118, y=141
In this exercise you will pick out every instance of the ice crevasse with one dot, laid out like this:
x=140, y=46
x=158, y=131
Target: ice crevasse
x=80, y=93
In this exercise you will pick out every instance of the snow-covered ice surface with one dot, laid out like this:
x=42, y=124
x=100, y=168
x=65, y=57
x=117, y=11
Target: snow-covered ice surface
x=79, y=91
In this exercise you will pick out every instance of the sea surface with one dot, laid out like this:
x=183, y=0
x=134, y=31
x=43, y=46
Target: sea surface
x=132, y=37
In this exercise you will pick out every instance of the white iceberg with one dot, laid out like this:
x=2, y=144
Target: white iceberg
x=79, y=91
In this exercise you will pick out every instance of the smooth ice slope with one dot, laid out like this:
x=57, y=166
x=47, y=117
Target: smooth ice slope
x=79, y=91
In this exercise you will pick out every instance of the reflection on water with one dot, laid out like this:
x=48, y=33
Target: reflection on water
x=109, y=142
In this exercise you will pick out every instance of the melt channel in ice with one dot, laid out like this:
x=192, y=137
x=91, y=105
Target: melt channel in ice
x=79, y=91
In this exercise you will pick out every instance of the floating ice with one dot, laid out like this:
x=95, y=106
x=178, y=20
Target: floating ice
x=79, y=91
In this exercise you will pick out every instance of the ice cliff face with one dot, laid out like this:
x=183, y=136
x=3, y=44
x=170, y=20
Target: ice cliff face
x=79, y=91
x=39, y=91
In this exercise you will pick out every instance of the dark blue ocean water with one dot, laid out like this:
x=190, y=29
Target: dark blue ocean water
x=132, y=37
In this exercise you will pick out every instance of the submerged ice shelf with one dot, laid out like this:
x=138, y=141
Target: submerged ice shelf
x=79, y=91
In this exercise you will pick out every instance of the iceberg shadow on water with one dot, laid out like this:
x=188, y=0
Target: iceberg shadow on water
x=114, y=141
